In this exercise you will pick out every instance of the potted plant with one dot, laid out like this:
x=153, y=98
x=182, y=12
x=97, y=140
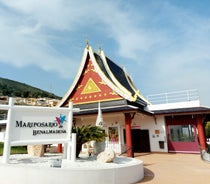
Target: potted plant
x=87, y=133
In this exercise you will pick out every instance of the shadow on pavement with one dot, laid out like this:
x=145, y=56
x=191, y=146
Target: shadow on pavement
x=148, y=175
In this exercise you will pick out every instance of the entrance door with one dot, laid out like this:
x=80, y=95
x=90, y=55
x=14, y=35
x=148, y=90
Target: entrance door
x=140, y=140
x=182, y=136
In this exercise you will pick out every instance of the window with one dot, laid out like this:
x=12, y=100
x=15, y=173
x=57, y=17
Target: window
x=113, y=134
x=182, y=133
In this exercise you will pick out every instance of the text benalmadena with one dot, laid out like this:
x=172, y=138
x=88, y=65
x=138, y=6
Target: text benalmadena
x=36, y=132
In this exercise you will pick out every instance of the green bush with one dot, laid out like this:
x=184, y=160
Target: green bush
x=14, y=149
x=207, y=129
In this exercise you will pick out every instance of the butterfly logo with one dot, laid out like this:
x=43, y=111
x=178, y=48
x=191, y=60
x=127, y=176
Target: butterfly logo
x=60, y=120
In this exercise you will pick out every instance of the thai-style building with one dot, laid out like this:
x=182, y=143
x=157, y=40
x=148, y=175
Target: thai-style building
x=130, y=120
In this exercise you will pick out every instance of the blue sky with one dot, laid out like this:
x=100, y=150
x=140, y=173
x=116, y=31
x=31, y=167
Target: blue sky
x=163, y=44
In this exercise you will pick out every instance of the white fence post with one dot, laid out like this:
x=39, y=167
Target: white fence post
x=65, y=145
x=73, y=147
x=70, y=119
x=6, y=152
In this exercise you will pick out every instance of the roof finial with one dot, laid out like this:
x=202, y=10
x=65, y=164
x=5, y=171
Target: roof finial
x=99, y=48
x=87, y=44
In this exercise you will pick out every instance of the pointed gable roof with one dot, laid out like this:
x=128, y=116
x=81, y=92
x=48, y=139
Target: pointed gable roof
x=100, y=79
x=123, y=81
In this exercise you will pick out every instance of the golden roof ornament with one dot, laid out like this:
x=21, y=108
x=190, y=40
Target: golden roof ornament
x=87, y=44
x=99, y=49
x=136, y=95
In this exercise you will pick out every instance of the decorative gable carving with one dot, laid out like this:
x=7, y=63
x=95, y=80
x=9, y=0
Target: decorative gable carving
x=90, y=87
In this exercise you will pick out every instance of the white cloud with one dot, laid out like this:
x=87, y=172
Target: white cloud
x=29, y=29
x=26, y=37
x=171, y=42
x=48, y=13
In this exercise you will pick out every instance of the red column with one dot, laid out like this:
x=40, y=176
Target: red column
x=201, y=132
x=59, y=148
x=128, y=134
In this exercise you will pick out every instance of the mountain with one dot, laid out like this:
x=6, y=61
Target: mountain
x=17, y=89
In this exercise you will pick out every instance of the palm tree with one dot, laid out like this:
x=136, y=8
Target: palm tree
x=87, y=133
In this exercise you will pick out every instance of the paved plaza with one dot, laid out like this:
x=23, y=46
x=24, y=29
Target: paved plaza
x=169, y=168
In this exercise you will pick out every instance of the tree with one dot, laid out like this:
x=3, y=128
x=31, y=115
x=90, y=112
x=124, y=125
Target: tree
x=26, y=94
x=87, y=133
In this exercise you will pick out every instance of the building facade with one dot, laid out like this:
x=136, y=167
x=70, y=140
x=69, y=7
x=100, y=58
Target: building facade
x=132, y=123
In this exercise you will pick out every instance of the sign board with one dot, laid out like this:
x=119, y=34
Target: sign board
x=34, y=124
x=39, y=125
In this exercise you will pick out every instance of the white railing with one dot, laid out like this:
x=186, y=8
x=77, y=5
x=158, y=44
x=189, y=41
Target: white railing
x=173, y=97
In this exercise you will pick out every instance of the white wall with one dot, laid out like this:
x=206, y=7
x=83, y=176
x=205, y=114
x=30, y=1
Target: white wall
x=111, y=120
x=156, y=127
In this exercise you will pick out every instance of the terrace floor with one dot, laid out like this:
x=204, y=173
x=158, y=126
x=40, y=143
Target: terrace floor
x=165, y=168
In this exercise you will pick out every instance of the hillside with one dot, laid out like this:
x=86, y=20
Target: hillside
x=17, y=89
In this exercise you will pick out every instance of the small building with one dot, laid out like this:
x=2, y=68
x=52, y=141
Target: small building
x=131, y=121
